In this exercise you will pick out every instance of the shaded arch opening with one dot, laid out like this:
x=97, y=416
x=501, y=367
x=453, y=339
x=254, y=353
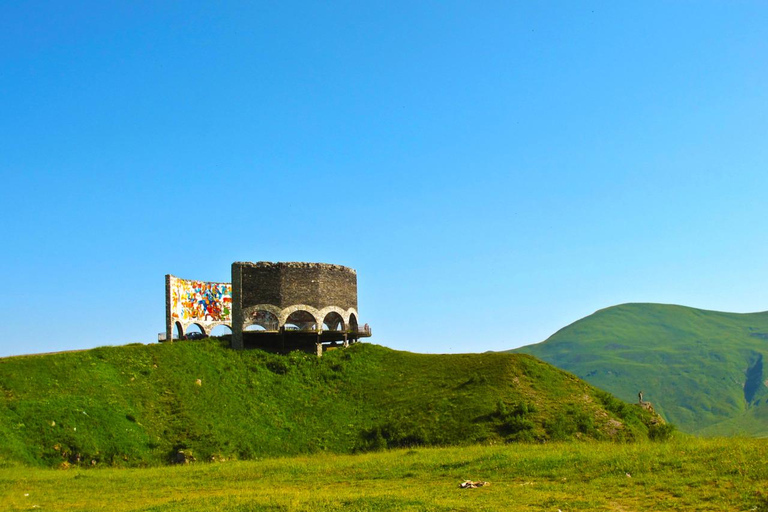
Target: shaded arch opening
x=353, y=323
x=262, y=320
x=178, y=331
x=301, y=321
x=333, y=322
x=194, y=332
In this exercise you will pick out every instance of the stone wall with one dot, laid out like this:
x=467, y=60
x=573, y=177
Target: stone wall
x=287, y=284
x=280, y=289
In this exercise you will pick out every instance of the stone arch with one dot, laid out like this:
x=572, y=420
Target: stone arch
x=288, y=311
x=303, y=320
x=333, y=321
x=266, y=319
x=351, y=312
x=352, y=324
x=179, y=331
x=322, y=313
x=250, y=312
x=264, y=307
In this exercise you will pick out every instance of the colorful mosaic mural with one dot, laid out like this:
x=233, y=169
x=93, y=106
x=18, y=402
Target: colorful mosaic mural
x=200, y=301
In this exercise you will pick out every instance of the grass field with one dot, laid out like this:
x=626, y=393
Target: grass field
x=680, y=475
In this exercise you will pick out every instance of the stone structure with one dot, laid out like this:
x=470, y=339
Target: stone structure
x=295, y=299
x=278, y=306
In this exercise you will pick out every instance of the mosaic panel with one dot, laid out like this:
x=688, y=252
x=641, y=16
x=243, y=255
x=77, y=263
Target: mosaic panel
x=200, y=301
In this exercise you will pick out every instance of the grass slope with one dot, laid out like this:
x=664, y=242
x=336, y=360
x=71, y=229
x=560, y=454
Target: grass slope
x=702, y=370
x=683, y=475
x=138, y=405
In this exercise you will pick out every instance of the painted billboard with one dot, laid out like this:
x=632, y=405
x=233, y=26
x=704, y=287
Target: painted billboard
x=200, y=301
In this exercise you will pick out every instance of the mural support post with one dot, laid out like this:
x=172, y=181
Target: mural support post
x=168, y=319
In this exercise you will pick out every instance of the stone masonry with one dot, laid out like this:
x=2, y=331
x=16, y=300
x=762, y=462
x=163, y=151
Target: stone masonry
x=308, y=293
x=280, y=306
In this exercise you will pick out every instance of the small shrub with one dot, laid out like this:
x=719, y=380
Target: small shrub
x=523, y=436
x=377, y=441
x=661, y=431
x=477, y=378
x=501, y=409
x=560, y=428
x=277, y=366
x=393, y=435
x=572, y=421
x=514, y=425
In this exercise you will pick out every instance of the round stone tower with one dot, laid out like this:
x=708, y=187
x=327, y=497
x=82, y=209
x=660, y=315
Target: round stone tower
x=295, y=301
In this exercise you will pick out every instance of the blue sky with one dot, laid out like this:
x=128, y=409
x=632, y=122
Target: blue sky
x=493, y=170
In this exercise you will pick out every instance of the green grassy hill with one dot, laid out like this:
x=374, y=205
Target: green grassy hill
x=702, y=370
x=138, y=405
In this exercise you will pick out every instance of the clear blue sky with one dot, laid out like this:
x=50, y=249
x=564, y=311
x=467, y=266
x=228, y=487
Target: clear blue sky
x=494, y=171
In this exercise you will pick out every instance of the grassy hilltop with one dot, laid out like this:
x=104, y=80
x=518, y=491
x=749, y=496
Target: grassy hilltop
x=702, y=370
x=139, y=405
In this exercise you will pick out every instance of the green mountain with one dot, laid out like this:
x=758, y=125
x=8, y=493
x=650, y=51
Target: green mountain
x=701, y=370
x=141, y=405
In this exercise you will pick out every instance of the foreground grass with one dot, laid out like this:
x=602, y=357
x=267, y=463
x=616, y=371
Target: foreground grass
x=687, y=474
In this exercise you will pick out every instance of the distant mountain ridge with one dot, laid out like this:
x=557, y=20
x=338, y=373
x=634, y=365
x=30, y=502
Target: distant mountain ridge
x=702, y=370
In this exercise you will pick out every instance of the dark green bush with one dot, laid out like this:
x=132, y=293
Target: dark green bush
x=661, y=431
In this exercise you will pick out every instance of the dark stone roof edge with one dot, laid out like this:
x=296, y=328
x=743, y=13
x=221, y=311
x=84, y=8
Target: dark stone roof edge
x=293, y=264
